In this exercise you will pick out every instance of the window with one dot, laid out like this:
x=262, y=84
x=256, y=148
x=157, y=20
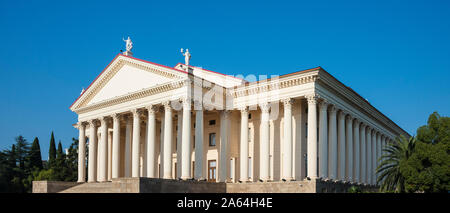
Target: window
x=249, y=115
x=212, y=139
x=212, y=122
x=249, y=167
x=212, y=171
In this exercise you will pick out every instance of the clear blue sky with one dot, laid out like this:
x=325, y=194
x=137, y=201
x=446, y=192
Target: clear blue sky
x=396, y=54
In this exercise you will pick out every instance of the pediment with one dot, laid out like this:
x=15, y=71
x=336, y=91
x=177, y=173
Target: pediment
x=126, y=75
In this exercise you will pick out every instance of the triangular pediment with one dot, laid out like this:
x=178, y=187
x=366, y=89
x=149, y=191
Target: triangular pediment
x=126, y=75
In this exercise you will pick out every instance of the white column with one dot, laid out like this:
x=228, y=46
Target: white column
x=363, y=157
x=92, y=167
x=356, y=148
x=116, y=146
x=312, y=137
x=287, y=143
x=244, y=145
x=136, y=145
x=323, y=140
x=224, y=133
x=179, y=142
x=103, y=149
x=264, y=145
x=374, y=152
x=341, y=145
x=199, y=169
x=81, y=152
x=109, y=170
x=349, y=151
x=369, y=156
x=186, y=141
x=333, y=161
x=167, y=168
x=151, y=142
x=128, y=132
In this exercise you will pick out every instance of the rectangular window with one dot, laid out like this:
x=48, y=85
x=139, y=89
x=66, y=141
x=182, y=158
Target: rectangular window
x=249, y=168
x=212, y=139
x=212, y=122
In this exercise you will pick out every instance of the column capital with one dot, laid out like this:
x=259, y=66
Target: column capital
x=136, y=112
x=333, y=108
x=349, y=117
x=81, y=124
x=186, y=102
x=312, y=98
x=151, y=109
x=363, y=125
x=93, y=122
x=166, y=105
x=323, y=105
x=225, y=113
x=265, y=107
x=116, y=117
x=104, y=120
x=198, y=105
x=288, y=102
x=342, y=113
x=356, y=121
x=244, y=109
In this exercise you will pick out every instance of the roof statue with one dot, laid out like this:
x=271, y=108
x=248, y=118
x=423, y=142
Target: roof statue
x=128, y=46
x=187, y=56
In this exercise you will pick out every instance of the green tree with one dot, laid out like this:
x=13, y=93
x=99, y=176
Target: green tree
x=52, y=152
x=60, y=168
x=35, y=155
x=428, y=169
x=22, y=151
x=389, y=171
x=4, y=173
x=72, y=161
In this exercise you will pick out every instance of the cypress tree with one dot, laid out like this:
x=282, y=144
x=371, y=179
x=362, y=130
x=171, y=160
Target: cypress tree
x=52, y=152
x=60, y=164
x=12, y=158
x=35, y=155
x=22, y=150
x=59, y=152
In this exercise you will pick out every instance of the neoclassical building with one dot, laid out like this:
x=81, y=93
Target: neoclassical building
x=142, y=119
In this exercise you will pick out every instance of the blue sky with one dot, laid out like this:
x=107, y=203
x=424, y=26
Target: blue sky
x=393, y=53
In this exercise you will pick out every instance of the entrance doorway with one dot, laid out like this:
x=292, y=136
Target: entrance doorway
x=212, y=171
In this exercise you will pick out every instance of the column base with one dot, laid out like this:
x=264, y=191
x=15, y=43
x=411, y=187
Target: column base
x=287, y=179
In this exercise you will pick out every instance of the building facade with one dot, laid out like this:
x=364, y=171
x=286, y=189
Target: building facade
x=142, y=119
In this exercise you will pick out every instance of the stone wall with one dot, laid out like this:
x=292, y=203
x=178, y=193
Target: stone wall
x=156, y=185
x=51, y=186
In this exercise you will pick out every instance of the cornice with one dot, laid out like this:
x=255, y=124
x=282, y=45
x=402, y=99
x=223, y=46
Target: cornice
x=274, y=84
x=357, y=101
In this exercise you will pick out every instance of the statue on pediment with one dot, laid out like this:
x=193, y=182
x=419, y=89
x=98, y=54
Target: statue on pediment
x=128, y=44
x=187, y=56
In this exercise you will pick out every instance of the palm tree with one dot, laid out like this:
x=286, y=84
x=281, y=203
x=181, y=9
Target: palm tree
x=389, y=173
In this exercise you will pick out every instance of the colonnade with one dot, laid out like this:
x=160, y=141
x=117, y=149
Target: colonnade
x=340, y=146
